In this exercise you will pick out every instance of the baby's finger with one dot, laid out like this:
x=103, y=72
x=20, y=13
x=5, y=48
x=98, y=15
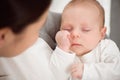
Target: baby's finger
x=76, y=75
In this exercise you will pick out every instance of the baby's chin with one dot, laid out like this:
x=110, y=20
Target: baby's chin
x=81, y=53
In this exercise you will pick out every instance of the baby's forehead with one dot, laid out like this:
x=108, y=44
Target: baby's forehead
x=83, y=3
x=82, y=9
x=91, y=4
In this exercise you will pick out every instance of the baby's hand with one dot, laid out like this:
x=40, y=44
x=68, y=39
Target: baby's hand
x=62, y=39
x=77, y=70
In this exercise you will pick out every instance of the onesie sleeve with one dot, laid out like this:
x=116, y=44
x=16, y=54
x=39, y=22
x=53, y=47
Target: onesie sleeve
x=109, y=66
x=60, y=63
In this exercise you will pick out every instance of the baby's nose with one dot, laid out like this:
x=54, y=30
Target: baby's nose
x=75, y=34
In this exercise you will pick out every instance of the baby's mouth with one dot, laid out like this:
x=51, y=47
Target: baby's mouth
x=76, y=44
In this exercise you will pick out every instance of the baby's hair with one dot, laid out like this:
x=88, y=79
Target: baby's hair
x=94, y=3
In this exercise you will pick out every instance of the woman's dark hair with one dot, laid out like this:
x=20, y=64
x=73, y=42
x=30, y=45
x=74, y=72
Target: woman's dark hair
x=16, y=14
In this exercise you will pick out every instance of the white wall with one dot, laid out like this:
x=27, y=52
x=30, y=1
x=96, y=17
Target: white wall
x=107, y=7
x=58, y=6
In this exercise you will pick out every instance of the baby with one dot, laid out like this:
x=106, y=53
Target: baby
x=82, y=32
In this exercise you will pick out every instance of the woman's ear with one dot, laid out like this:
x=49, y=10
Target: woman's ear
x=2, y=36
x=103, y=32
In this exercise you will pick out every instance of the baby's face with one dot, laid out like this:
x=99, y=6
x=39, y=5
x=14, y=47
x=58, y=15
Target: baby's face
x=84, y=26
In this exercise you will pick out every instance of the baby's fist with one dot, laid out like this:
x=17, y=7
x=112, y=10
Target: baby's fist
x=62, y=39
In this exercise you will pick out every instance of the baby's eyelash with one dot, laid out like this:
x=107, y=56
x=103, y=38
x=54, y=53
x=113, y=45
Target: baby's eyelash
x=3, y=75
x=67, y=29
x=86, y=30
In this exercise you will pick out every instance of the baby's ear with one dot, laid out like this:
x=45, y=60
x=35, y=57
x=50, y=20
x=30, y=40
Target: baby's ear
x=103, y=32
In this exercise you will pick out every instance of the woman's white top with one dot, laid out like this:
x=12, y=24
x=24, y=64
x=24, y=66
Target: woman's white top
x=32, y=64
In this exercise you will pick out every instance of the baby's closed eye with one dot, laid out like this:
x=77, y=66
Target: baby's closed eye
x=4, y=77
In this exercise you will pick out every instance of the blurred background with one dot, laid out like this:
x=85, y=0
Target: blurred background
x=112, y=16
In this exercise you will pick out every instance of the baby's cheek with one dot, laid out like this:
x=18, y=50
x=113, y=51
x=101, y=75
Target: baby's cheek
x=91, y=45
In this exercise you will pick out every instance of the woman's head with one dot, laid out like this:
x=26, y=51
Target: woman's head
x=17, y=14
x=84, y=19
x=20, y=21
